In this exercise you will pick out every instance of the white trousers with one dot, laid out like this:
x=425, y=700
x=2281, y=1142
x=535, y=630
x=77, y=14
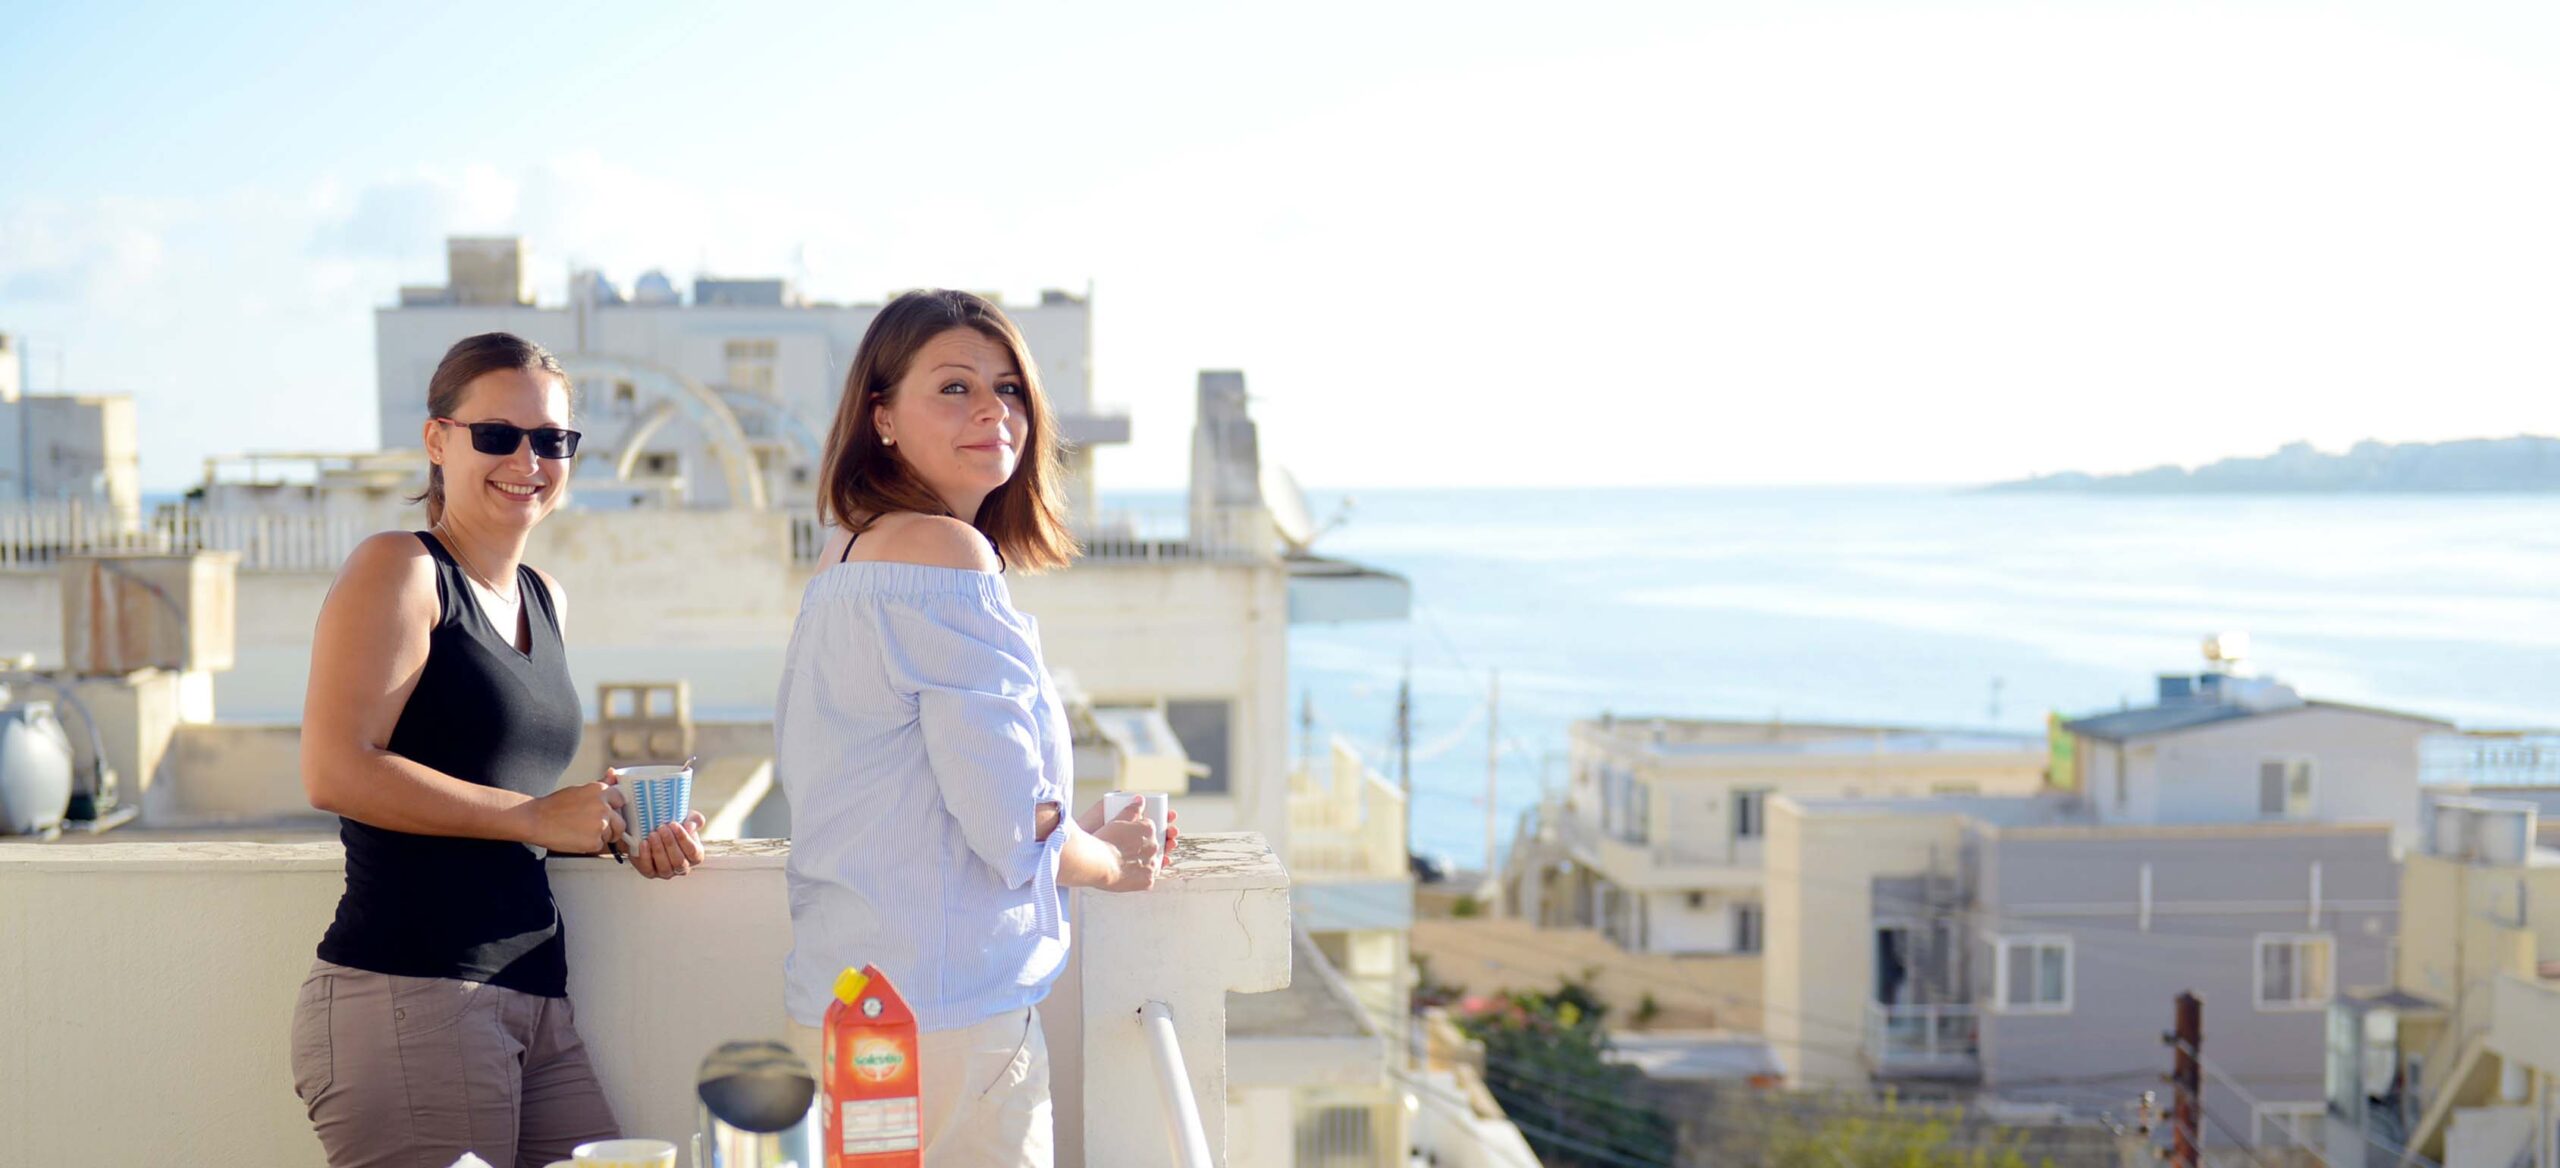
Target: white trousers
x=985, y=1088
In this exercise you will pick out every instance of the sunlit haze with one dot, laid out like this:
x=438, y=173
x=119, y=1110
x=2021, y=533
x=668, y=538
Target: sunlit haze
x=1458, y=245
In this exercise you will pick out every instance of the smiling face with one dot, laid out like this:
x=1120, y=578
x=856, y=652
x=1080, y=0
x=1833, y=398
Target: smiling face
x=960, y=418
x=512, y=490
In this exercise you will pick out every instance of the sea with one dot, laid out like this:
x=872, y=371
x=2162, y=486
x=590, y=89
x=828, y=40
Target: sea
x=1934, y=607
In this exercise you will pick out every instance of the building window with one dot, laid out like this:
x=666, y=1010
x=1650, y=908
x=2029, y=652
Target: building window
x=2293, y=972
x=1697, y=900
x=1750, y=812
x=2032, y=975
x=1202, y=727
x=2286, y=1125
x=750, y=365
x=2284, y=788
x=1746, y=928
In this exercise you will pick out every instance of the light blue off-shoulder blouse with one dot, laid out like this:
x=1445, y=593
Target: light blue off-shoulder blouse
x=917, y=733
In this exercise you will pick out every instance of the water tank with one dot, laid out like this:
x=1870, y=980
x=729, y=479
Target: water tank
x=35, y=769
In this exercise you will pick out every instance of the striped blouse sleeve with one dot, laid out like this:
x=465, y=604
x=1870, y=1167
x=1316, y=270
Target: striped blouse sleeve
x=970, y=668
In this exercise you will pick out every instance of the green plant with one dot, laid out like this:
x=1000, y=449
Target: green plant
x=1545, y=1060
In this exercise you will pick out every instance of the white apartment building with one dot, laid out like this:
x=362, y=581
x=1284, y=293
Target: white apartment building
x=60, y=450
x=1657, y=841
x=684, y=402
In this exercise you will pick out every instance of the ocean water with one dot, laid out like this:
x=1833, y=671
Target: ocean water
x=1906, y=606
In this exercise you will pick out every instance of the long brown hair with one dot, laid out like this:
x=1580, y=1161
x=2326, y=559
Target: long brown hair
x=463, y=364
x=1024, y=518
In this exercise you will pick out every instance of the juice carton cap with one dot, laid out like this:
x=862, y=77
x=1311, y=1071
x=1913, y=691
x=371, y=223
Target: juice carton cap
x=850, y=984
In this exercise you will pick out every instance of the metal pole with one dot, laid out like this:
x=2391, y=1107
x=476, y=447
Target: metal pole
x=2187, y=1080
x=1307, y=732
x=1493, y=789
x=1190, y=1139
x=1404, y=750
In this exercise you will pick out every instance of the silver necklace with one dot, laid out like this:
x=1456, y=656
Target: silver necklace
x=455, y=546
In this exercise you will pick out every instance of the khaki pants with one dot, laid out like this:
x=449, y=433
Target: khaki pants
x=985, y=1091
x=415, y=1071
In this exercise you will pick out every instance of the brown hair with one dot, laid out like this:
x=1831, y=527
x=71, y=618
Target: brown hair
x=1024, y=518
x=463, y=364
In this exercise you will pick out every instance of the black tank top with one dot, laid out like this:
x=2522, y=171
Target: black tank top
x=483, y=712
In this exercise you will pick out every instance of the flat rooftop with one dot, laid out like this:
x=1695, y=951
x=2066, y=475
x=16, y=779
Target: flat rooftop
x=1708, y=738
x=2048, y=809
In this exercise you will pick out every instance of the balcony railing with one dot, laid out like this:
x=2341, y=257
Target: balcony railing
x=2489, y=760
x=36, y=538
x=1124, y=537
x=1345, y=821
x=1922, y=1040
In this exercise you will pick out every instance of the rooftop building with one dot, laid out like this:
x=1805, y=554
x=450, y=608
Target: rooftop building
x=2232, y=839
x=720, y=402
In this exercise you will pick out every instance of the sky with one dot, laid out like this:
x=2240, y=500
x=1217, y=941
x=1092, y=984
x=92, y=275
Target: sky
x=1450, y=245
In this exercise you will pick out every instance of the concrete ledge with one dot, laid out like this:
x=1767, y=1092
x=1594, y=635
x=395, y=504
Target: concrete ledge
x=150, y=987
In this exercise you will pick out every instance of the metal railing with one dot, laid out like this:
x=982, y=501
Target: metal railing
x=2489, y=760
x=1123, y=537
x=37, y=538
x=1921, y=1037
x=1182, y=1110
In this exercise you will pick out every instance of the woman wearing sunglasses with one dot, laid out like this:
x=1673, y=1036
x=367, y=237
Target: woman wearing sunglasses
x=919, y=737
x=439, y=720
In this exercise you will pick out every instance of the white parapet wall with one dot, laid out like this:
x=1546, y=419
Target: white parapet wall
x=1217, y=923
x=149, y=988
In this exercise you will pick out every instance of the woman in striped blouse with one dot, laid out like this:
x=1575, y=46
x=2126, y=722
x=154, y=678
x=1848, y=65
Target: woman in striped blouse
x=919, y=736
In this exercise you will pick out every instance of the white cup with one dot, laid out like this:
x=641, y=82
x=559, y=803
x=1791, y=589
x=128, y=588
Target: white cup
x=653, y=796
x=1114, y=802
x=625, y=1154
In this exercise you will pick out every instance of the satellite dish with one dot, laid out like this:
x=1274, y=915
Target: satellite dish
x=1288, y=507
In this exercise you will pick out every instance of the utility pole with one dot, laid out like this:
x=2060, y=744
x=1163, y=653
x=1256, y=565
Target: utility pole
x=1404, y=751
x=1307, y=732
x=2186, y=1080
x=1493, y=791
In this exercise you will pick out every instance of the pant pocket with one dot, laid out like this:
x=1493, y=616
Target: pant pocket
x=1011, y=1063
x=314, y=1055
x=422, y=1007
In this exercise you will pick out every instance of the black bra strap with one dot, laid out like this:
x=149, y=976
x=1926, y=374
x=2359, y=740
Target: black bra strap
x=846, y=556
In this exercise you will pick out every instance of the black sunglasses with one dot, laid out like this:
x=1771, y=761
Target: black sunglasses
x=503, y=438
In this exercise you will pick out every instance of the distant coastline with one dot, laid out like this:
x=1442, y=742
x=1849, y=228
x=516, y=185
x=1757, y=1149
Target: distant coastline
x=2525, y=463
